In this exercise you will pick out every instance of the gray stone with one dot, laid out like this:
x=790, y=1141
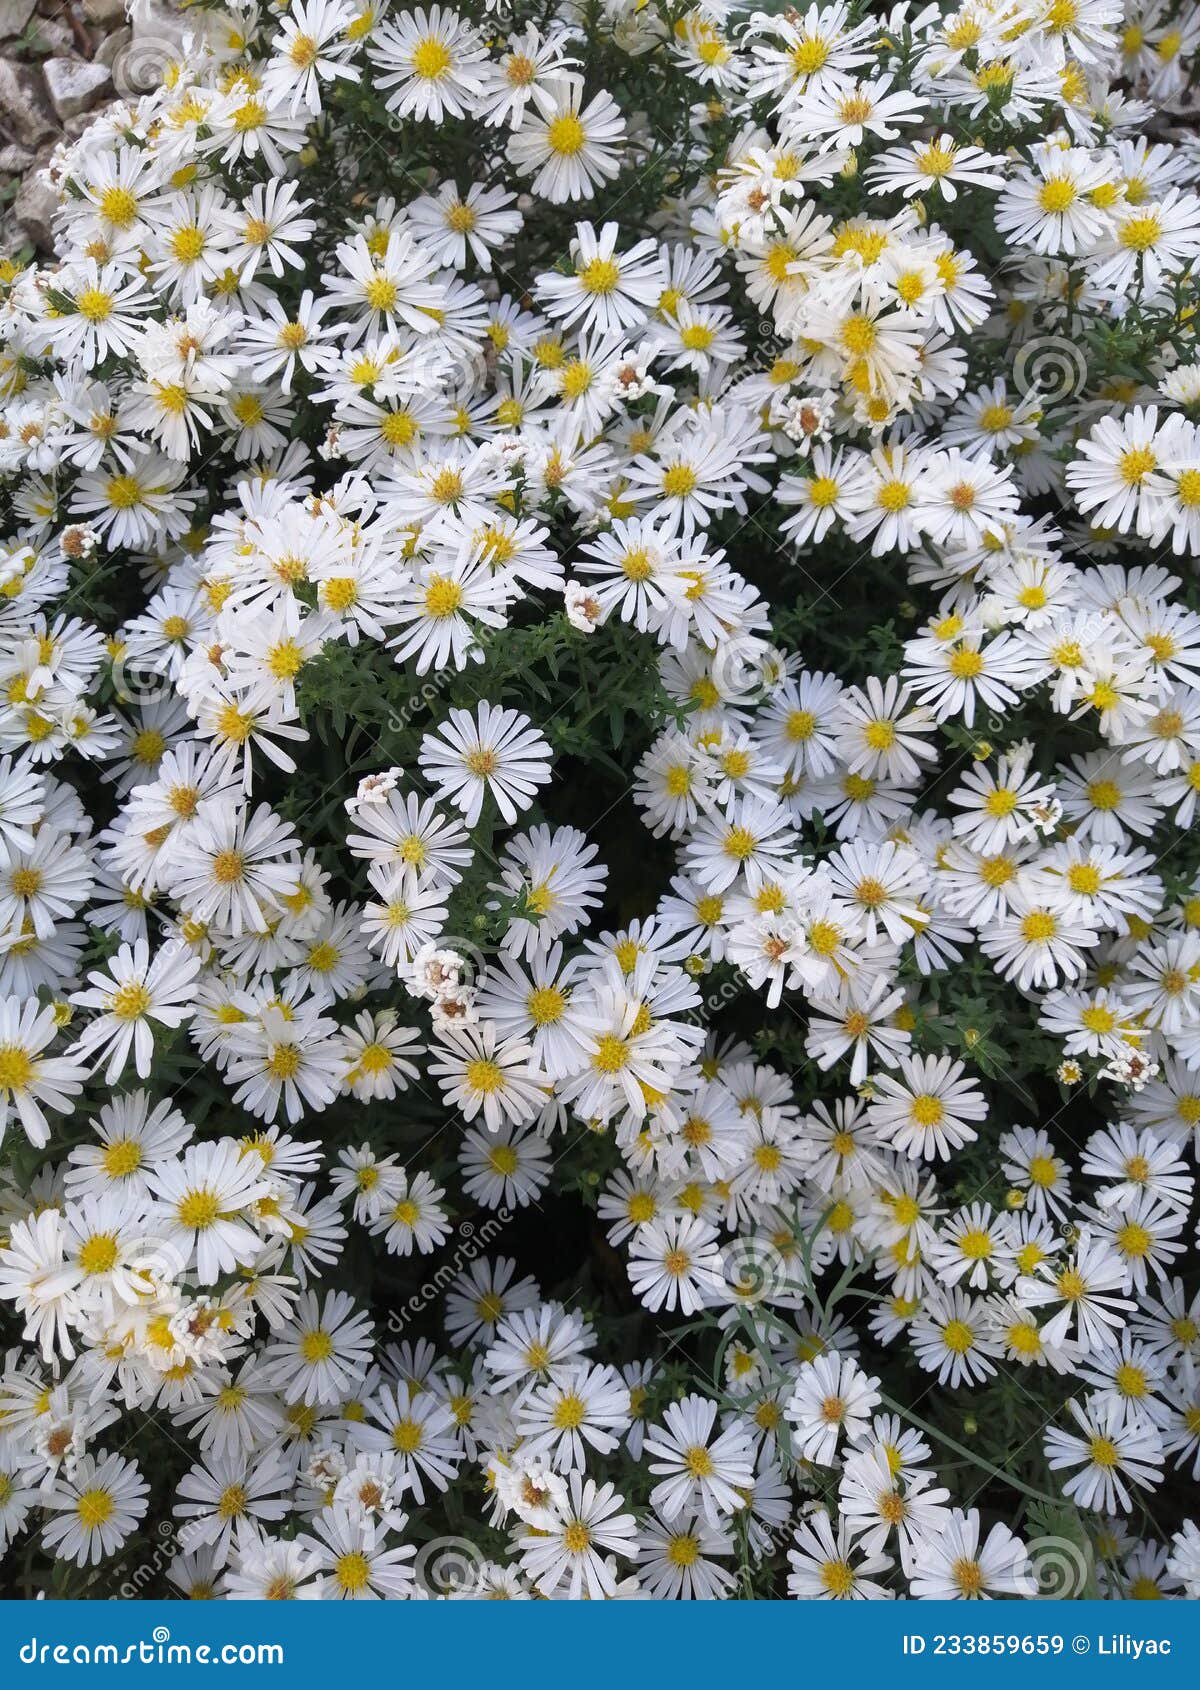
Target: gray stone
x=14, y=15
x=35, y=206
x=75, y=86
x=25, y=114
x=109, y=13
x=113, y=45
x=74, y=127
x=52, y=35
x=14, y=159
x=157, y=42
x=155, y=18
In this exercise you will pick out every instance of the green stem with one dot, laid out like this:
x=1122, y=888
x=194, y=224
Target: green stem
x=971, y=1455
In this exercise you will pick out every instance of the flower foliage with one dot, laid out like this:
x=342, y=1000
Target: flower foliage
x=599, y=742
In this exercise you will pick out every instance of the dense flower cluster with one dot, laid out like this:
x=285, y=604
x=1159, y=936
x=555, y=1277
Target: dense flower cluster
x=600, y=734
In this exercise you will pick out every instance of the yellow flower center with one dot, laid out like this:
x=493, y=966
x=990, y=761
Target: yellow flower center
x=16, y=1068
x=484, y=1076
x=94, y=305
x=546, y=1005
x=99, y=1253
x=1056, y=195
x=599, y=276
x=122, y=1158
x=957, y=1337
x=352, y=1571
x=198, y=1210
x=94, y=1508
x=1136, y=465
x=316, y=1345
x=566, y=136
x=187, y=244
x=431, y=59
x=838, y=1578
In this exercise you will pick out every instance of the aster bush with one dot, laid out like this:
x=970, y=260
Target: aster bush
x=599, y=738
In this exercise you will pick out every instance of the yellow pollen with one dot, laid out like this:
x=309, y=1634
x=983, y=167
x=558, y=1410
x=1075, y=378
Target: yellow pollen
x=198, y=1210
x=957, y=1337
x=94, y=1508
x=1139, y=234
x=1136, y=464
x=838, y=1579
x=431, y=59
x=599, y=276
x=678, y=481
x=121, y=1158
x=352, y=1572
x=545, y=1005
x=1056, y=195
x=130, y=1001
x=99, y=1254
x=926, y=1110
x=566, y=136
x=485, y=1077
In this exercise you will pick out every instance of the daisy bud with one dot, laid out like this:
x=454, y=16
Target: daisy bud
x=373, y=789
x=78, y=541
x=583, y=608
x=453, y=1007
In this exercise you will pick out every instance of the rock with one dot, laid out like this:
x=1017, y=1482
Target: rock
x=139, y=66
x=74, y=127
x=151, y=17
x=14, y=15
x=113, y=44
x=75, y=86
x=35, y=206
x=108, y=13
x=155, y=18
x=14, y=159
x=25, y=115
x=52, y=35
